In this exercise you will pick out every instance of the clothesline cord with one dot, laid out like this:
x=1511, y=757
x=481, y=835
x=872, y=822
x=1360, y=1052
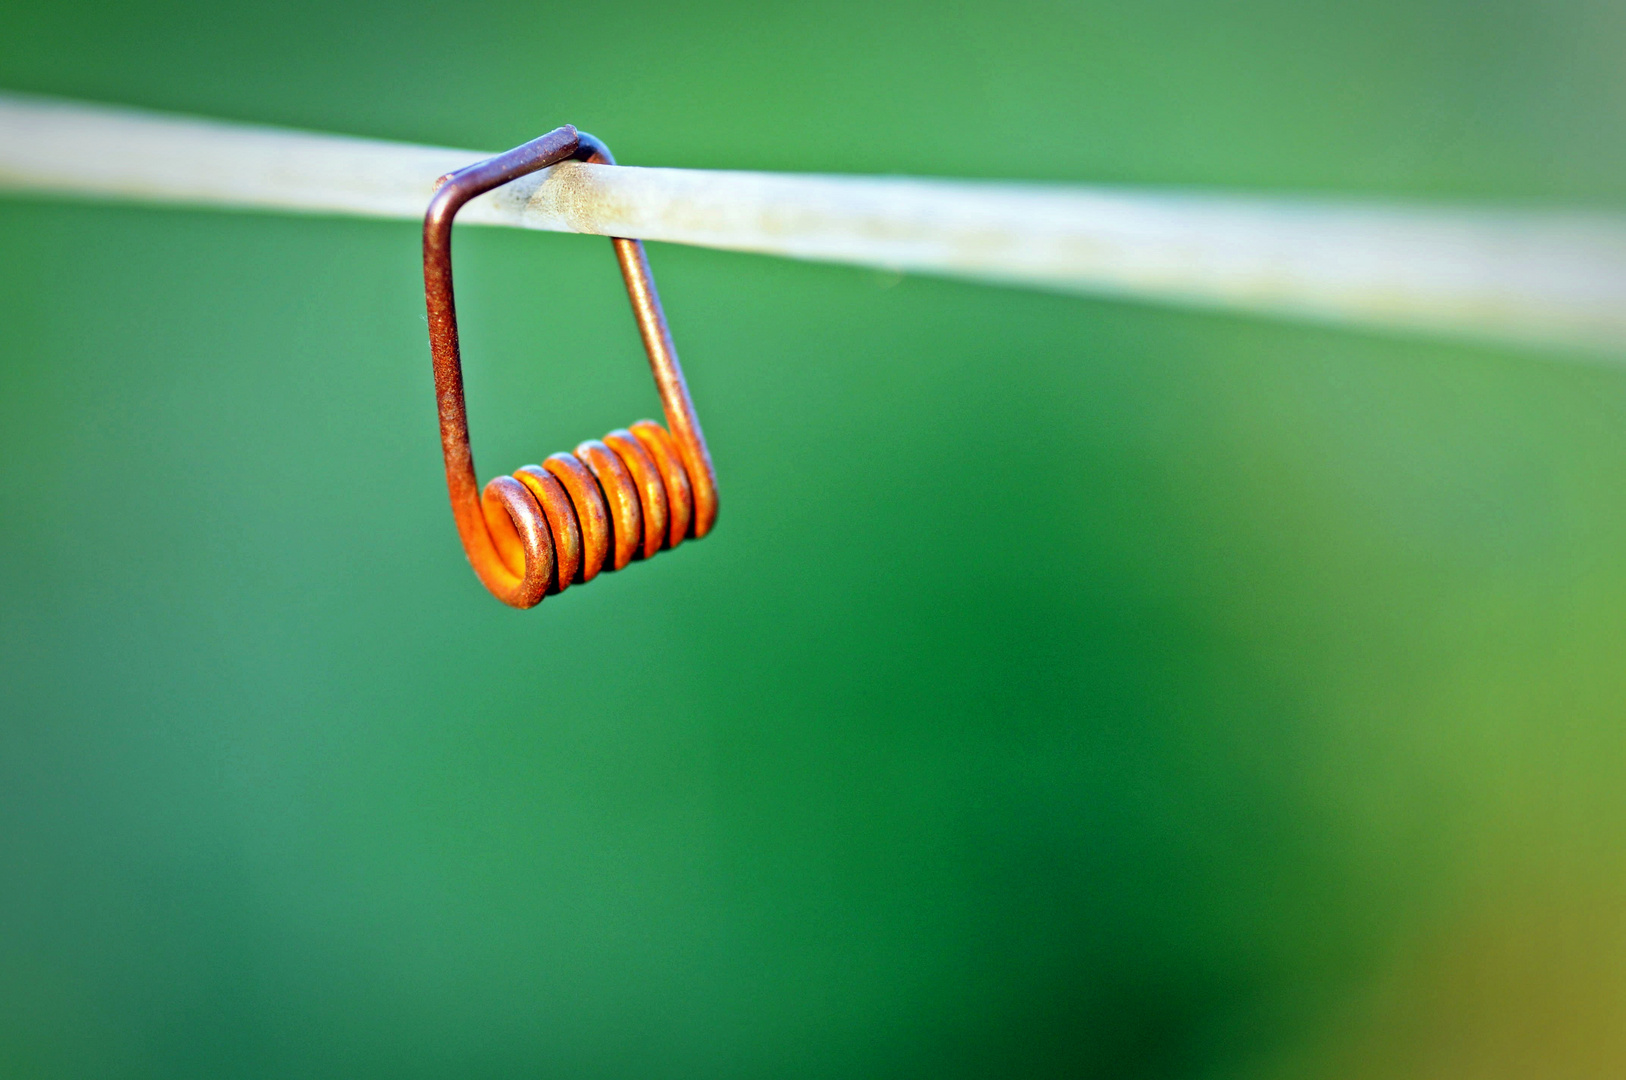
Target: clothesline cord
x=1539, y=276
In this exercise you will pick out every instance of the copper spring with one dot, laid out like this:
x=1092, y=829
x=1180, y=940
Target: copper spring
x=625, y=497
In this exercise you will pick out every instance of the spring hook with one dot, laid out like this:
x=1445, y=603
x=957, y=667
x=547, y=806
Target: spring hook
x=611, y=500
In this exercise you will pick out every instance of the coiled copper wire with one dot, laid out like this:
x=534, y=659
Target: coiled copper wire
x=610, y=501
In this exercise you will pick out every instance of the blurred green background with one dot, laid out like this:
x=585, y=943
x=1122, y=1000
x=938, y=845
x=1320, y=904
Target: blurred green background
x=1070, y=688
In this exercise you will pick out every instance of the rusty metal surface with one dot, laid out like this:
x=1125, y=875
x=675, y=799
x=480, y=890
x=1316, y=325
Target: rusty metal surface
x=610, y=502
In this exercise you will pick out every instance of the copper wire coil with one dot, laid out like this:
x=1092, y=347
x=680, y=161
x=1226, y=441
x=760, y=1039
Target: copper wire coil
x=610, y=503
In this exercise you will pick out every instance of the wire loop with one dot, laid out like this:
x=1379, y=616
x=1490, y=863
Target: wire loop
x=611, y=501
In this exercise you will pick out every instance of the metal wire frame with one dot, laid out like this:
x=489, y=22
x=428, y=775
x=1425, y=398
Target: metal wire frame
x=639, y=490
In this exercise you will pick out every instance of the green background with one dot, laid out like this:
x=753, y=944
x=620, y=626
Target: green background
x=1070, y=688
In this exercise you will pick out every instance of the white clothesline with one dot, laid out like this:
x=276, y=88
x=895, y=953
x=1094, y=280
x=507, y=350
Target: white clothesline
x=1535, y=275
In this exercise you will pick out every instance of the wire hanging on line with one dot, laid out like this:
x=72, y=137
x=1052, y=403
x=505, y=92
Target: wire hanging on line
x=611, y=501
